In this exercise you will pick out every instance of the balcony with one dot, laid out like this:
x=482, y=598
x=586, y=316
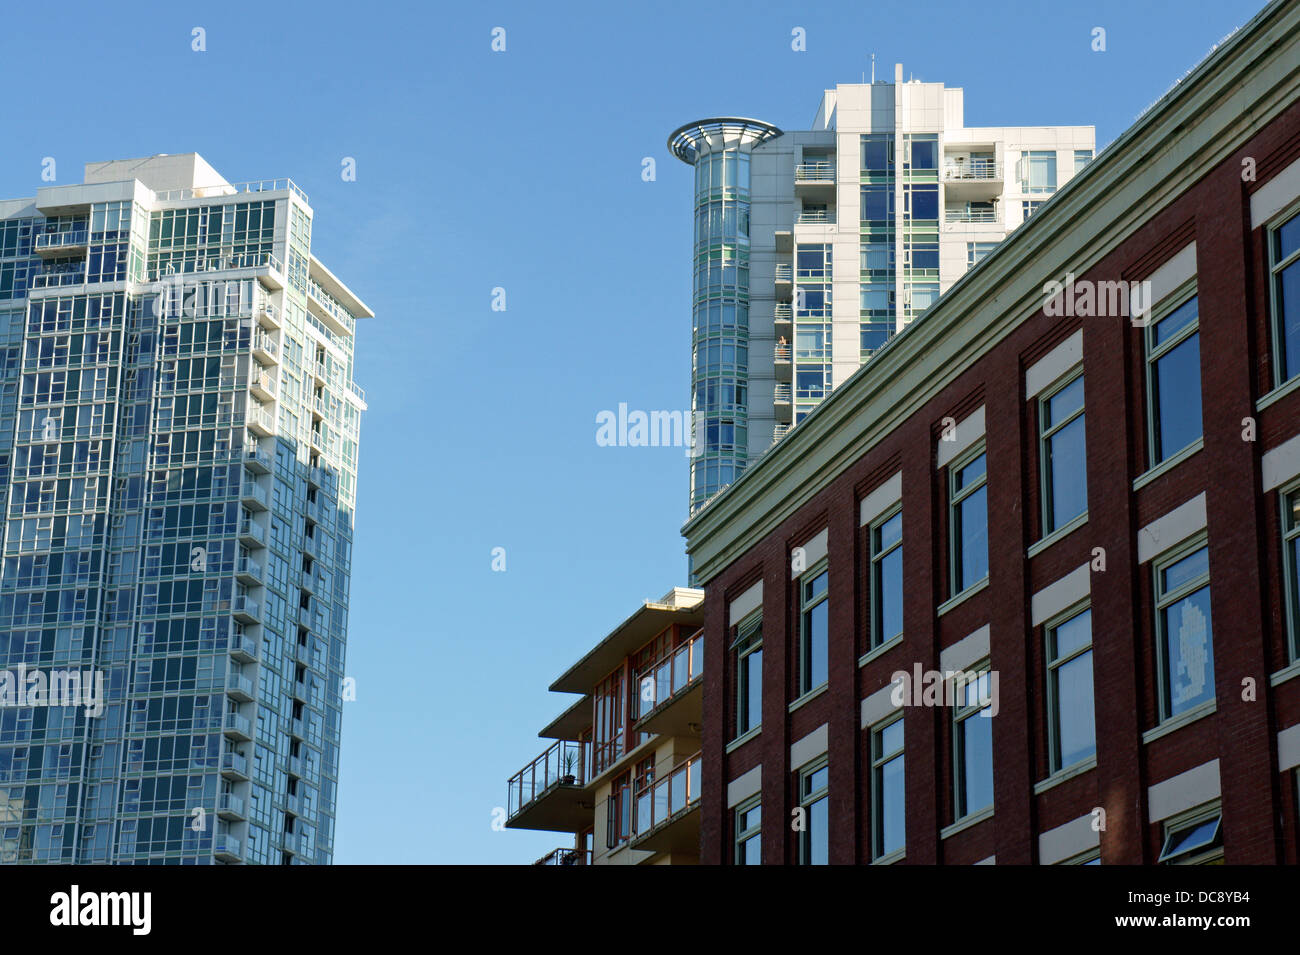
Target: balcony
x=549, y=792
x=677, y=708
x=782, y=393
x=239, y=687
x=248, y=571
x=251, y=533
x=255, y=497
x=265, y=349
x=297, y=730
x=246, y=609
x=243, y=647
x=267, y=315
x=237, y=726
x=783, y=313
x=62, y=243
x=568, y=856
x=259, y=420
x=230, y=806
x=814, y=172
x=59, y=279
x=663, y=812
x=316, y=476
x=234, y=766
x=975, y=170
x=262, y=385
x=963, y=214
x=259, y=460
x=295, y=804
x=296, y=843
x=779, y=431
x=816, y=217
x=317, y=368
x=227, y=848
x=311, y=546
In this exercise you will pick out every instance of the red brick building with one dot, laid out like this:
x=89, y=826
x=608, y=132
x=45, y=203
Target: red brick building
x=1097, y=517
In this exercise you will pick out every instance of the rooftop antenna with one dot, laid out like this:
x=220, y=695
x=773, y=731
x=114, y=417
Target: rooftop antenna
x=873, y=68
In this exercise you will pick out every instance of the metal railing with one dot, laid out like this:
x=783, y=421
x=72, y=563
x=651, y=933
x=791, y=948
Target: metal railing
x=230, y=189
x=816, y=215
x=814, y=172
x=779, y=431
x=970, y=215
x=216, y=263
x=59, y=279
x=781, y=391
x=62, y=240
x=565, y=762
x=264, y=342
x=781, y=352
x=783, y=312
x=975, y=170
x=568, y=856
x=676, y=670
x=784, y=272
x=659, y=801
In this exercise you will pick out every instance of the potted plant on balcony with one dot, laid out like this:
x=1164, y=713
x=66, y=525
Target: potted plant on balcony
x=570, y=761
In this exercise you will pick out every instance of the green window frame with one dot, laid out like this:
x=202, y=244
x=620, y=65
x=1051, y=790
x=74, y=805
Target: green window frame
x=1194, y=837
x=961, y=490
x=748, y=821
x=1160, y=351
x=814, y=627
x=814, y=799
x=886, y=594
x=748, y=650
x=1290, y=498
x=1283, y=258
x=1056, y=662
x=1180, y=583
x=1054, y=431
x=975, y=699
x=888, y=756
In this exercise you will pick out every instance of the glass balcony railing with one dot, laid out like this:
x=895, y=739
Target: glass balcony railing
x=234, y=764
x=229, y=802
x=238, y=724
x=569, y=856
x=564, y=763
x=260, y=459
x=239, y=683
x=62, y=240
x=59, y=279
x=227, y=846
x=676, y=670
x=252, y=530
x=659, y=801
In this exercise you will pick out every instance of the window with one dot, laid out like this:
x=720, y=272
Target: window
x=1081, y=158
x=1038, y=171
x=813, y=628
x=814, y=838
x=1284, y=249
x=1072, y=731
x=1184, y=635
x=968, y=521
x=887, y=790
x=1029, y=206
x=749, y=849
x=1195, y=838
x=975, y=251
x=973, y=742
x=618, y=820
x=1062, y=455
x=749, y=673
x=1291, y=565
x=878, y=152
x=887, y=578
x=1173, y=347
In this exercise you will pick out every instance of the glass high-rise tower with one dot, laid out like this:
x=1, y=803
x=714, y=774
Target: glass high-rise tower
x=178, y=460
x=812, y=248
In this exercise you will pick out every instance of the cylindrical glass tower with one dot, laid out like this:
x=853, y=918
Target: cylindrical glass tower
x=719, y=150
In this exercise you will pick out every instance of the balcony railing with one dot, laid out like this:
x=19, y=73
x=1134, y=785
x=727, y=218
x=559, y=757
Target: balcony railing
x=661, y=800
x=816, y=215
x=564, y=763
x=230, y=803
x=569, y=856
x=675, y=670
x=251, y=530
x=783, y=312
x=977, y=169
x=784, y=272
x=238, y=684
x=814, y=172
x=62, y=240
x=781, y=352
x=255, y=492
x=970, y=215
x=226, y=846
x=256, y=185
x=260, y=459
x=238, y=725
x=781, y=391
x=234, y=764
x=59, y=279
x=779, y=431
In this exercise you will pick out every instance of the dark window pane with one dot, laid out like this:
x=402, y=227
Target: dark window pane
x=1177, y=384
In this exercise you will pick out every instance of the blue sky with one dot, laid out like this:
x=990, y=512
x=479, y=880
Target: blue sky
x=519, y=170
